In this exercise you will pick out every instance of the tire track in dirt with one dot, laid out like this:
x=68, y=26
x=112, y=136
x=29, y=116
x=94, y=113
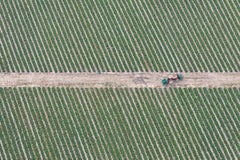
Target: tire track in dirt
x=117, y=79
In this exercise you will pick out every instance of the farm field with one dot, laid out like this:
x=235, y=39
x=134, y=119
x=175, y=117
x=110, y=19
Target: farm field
x=83, y=79
x=119, y=36
x=68, y=123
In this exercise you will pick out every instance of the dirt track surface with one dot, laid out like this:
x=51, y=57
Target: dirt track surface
x=131, y=80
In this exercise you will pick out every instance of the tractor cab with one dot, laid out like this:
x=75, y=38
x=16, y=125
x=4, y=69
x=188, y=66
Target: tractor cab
x=164, y=81
x=180, y=76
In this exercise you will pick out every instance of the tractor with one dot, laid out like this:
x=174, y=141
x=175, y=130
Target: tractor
x=174, y=77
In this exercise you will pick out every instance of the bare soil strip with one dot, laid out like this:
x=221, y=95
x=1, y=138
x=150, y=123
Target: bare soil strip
x=130, y=80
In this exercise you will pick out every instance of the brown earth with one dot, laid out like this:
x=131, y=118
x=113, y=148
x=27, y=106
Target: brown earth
x=131, y=80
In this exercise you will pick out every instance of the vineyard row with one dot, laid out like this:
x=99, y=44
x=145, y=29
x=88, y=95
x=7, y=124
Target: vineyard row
x=67, y=36
x=64, y=123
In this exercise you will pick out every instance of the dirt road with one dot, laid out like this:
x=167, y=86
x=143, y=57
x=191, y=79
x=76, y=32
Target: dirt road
x=88, y=80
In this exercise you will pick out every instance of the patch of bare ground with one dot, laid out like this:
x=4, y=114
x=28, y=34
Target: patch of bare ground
x=117, y=79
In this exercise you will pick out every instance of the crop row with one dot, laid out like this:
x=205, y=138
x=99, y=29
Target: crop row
x=64, y=123
x=63, y=36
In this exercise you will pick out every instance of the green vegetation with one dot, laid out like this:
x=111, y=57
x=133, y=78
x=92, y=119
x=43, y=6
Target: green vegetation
x=100, y=36
x=119, y=36
x=65, y=123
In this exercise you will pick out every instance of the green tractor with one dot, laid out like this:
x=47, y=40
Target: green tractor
x=165, y=81
x=180, y=76
x=175, y=77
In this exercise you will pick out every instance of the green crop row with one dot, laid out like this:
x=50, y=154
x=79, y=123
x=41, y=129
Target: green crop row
x=111, y=123
x=119, y=36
